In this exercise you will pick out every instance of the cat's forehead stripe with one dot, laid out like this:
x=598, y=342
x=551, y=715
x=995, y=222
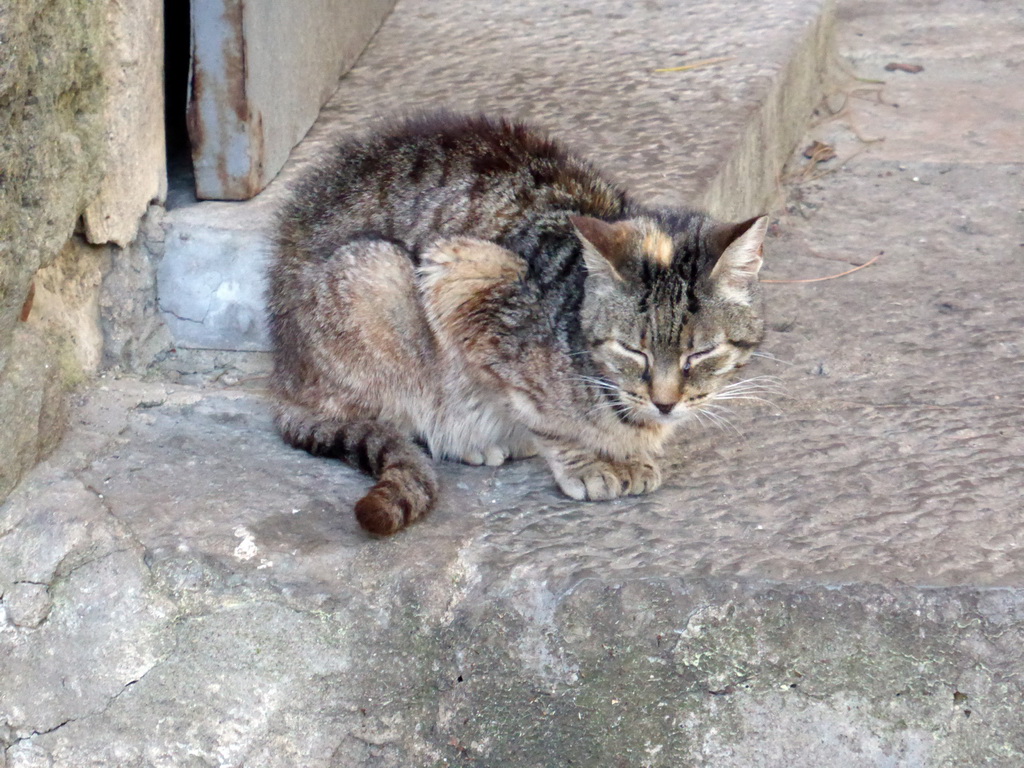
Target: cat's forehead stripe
x=657, y=246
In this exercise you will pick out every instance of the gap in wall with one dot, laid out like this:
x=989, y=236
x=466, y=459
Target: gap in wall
x=177, y=63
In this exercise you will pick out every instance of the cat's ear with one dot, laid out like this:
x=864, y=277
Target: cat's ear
x=741, y=246
x=605, y=246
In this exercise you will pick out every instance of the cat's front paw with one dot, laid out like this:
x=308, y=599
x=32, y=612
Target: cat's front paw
x=492, y=456
x=496, y=455
x=599, y=479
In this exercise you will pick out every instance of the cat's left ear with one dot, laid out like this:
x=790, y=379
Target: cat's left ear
x=605, y=246
x=741, y=247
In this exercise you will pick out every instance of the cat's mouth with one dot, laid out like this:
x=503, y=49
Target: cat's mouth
x=689, y=407
x=650, y=414
x=641, y=411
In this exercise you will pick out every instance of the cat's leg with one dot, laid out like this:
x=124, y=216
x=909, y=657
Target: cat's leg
x=475, y=427
x=354, y=371
x=492, y=456
x=406, y=487
x=584, y=475
x=518, y=445
x=521, y=444
x=466, y=285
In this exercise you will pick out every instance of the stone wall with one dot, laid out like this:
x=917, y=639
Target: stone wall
x=83, y=181
x=81, y=157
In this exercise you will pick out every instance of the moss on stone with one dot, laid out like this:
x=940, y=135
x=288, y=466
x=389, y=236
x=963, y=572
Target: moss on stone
x=51, y=97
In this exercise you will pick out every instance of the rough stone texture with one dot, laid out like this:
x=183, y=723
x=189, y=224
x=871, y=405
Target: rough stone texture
x=941, y=115
x=95, y=594
x=261, y=71
x=51, y=97
x=81, y=105
x=839, y=581
x=714, y=136
x=32, y=408
x=134, y=333
x=56, y=348
x=134, y=171
x=65, y=308
x=211, y=280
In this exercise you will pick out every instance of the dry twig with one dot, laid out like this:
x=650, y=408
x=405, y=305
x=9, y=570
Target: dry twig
x=697, y=64
x=828, y=277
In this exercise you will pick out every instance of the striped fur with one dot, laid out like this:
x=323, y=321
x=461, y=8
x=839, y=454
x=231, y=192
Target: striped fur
x=468, y=285
x=406, y=487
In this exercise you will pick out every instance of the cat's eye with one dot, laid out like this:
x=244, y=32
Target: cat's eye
x=638, y=355
x=695, y=357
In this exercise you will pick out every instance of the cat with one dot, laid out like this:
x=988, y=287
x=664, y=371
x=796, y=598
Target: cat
x=467, y=284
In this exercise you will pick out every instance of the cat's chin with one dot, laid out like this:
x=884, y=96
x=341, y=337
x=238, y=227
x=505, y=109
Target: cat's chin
x=653, y=418
x=680, y=415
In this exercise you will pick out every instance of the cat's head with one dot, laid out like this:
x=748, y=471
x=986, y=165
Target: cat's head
x=672, y=307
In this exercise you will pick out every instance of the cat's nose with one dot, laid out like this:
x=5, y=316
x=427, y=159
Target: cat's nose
x=664, y=407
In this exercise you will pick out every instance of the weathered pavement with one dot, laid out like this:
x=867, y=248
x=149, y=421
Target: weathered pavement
x=839, y=581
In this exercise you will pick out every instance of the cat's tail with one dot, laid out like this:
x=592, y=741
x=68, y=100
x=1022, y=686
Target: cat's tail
x=406, y=487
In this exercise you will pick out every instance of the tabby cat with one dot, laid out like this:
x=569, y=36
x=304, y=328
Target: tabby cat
x=468, y=285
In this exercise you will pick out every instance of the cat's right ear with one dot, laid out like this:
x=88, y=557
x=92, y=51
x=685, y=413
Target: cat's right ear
x=605, y=246
x=741, y=248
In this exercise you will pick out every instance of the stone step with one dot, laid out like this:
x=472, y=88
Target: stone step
x=836, y=580
x=714, y=136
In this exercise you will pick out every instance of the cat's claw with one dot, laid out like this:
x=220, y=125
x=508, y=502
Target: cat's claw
x=602, y=480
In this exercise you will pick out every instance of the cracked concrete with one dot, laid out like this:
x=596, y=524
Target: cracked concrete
x=838, y=580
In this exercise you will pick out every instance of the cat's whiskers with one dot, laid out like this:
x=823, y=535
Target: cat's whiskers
x=608, y=405
x=603, y=390
x=768, y=385
x=720, y=420
x=595, y=382
x=699, y=417
x=760, y=380
x=629, y=405
x=721, y=410
x=746, y=391
x=751, y=397
x=755, y=389
x=773, y=358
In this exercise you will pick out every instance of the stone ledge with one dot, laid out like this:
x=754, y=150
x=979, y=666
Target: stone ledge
x=715, y=136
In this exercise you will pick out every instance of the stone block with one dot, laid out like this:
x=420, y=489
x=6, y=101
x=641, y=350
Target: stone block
x=65, y=308
x=134, y=331
x=714, y=622
x=56, y=348
x=51, y=100
x=210, y=281
x=57, y=88
x=134, y=170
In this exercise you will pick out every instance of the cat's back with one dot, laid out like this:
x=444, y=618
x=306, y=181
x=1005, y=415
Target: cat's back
x=439, y=174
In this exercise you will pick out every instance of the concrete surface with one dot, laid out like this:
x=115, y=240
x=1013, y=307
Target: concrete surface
x=838, y=581
x=261, y=70
x=715, y=136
